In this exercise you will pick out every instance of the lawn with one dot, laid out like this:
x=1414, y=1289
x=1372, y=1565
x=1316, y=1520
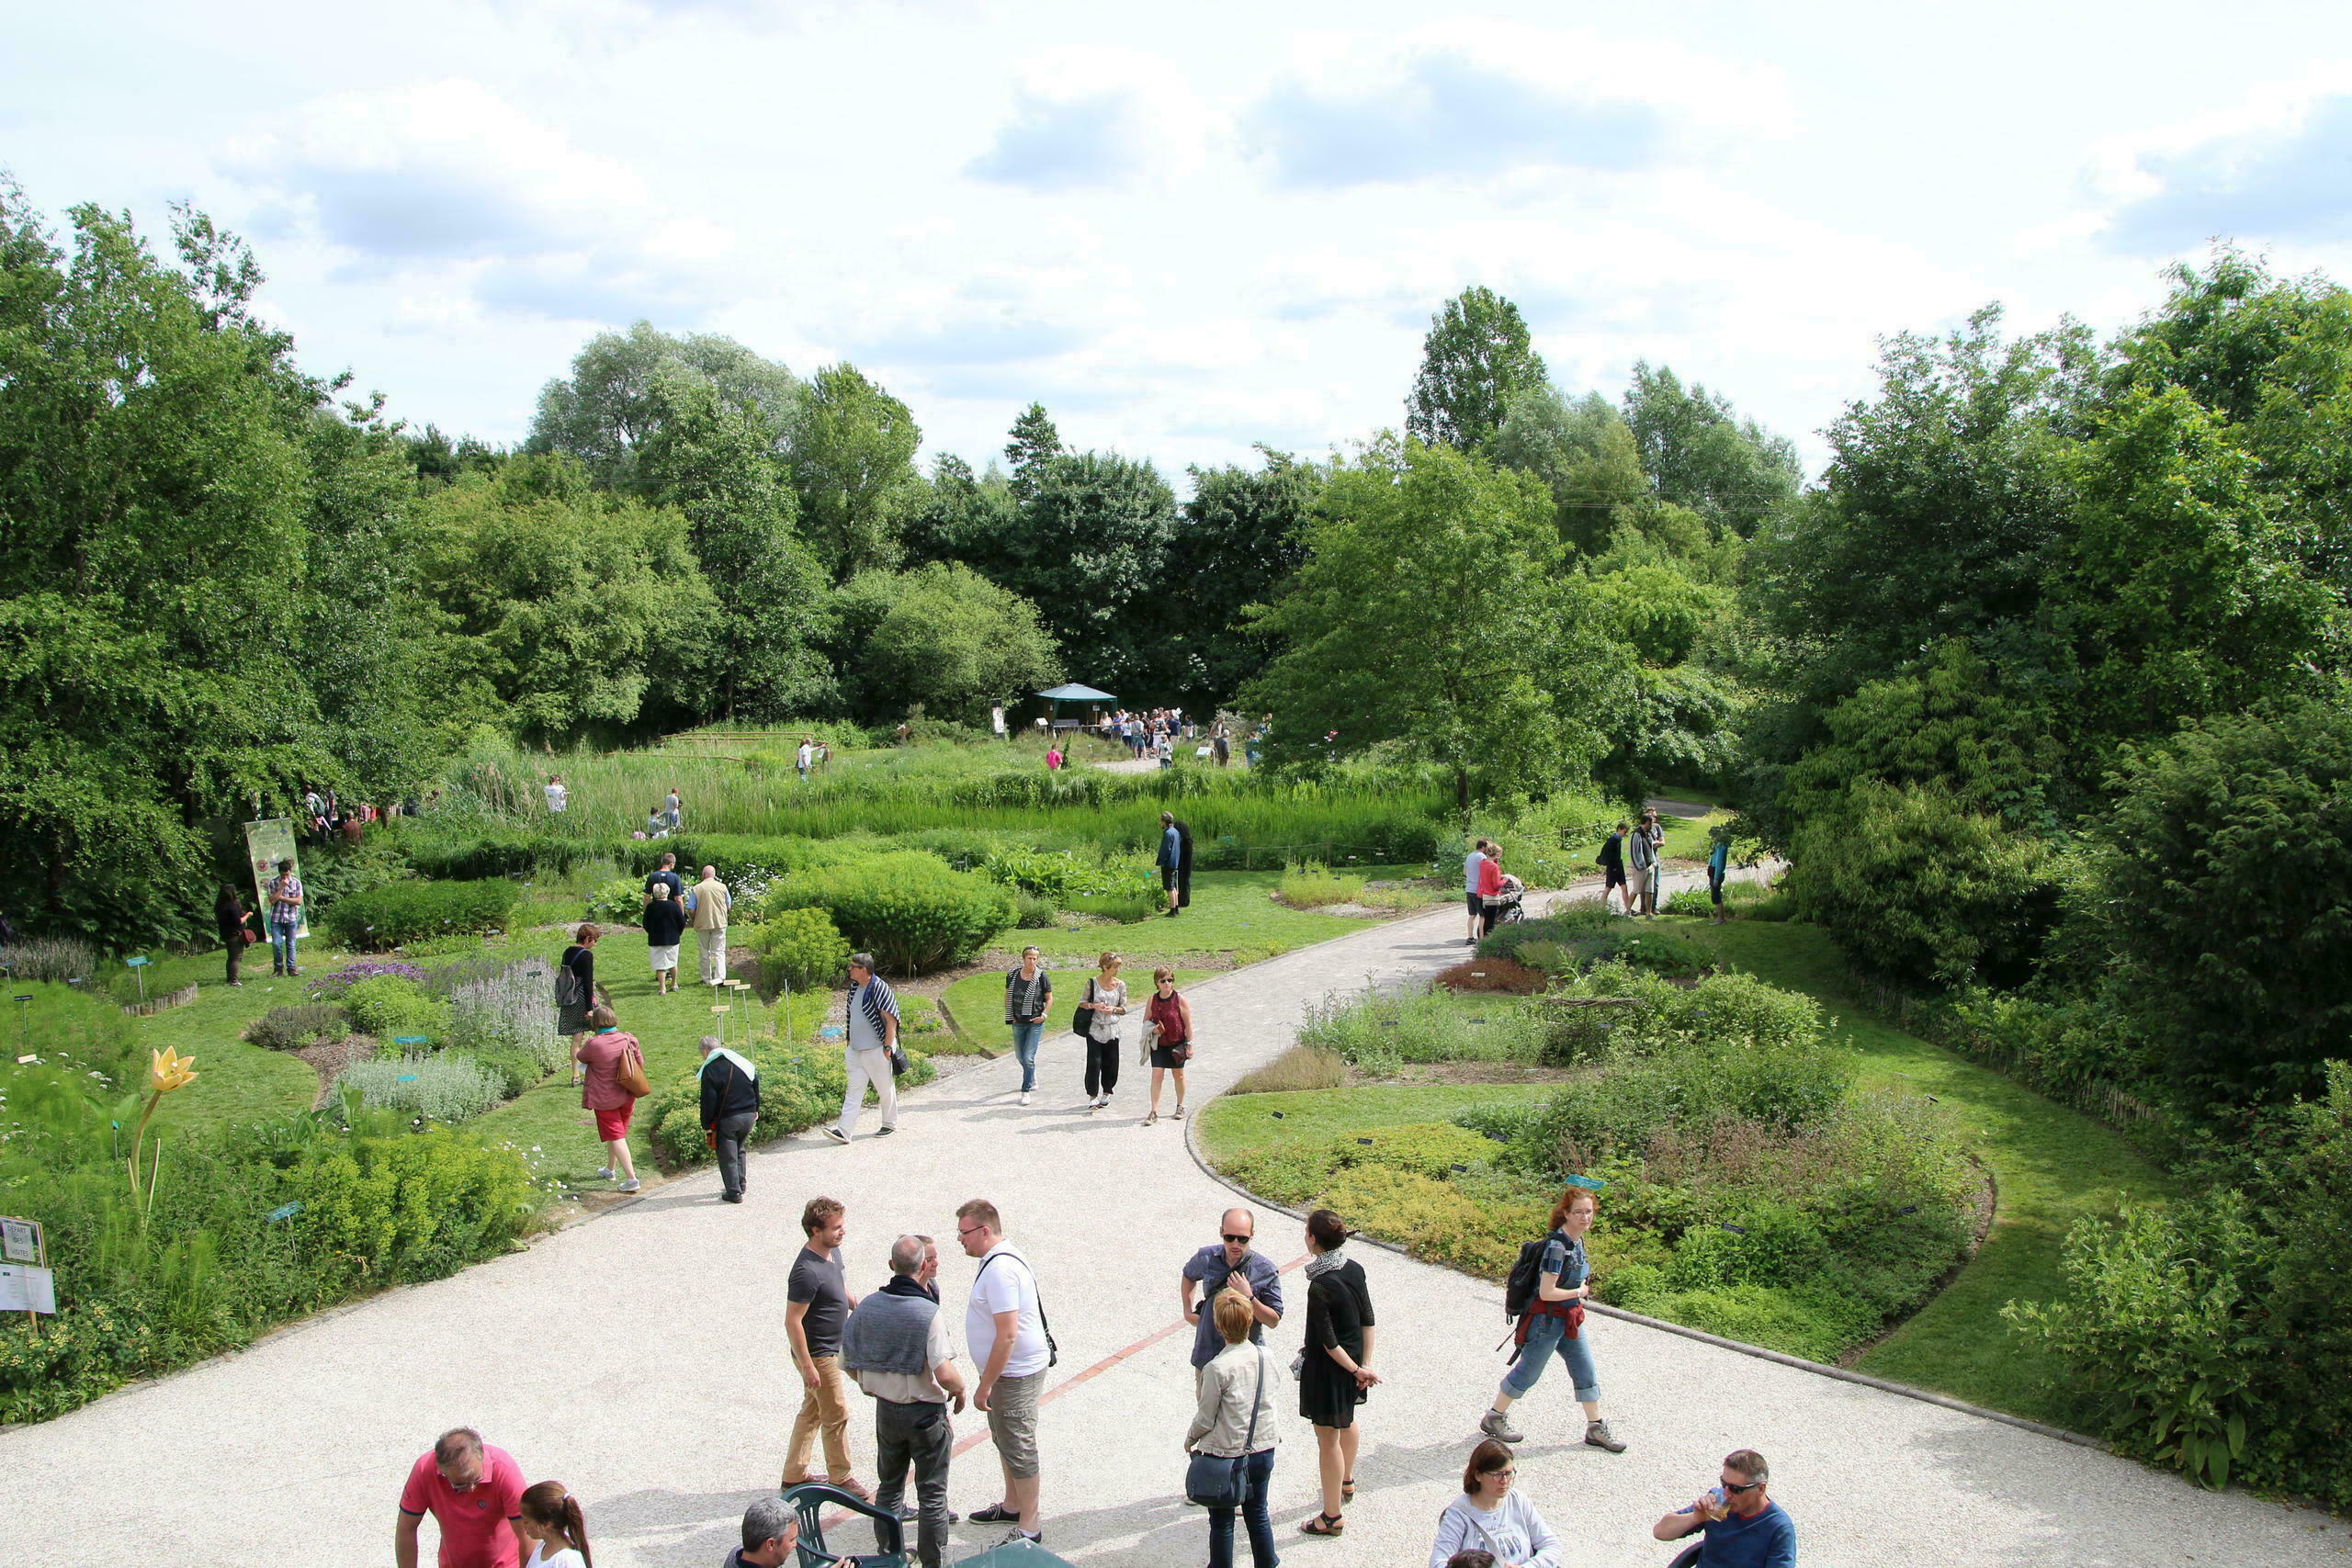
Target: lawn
x=234, y=1081
x=1232, y=912
x=1235, y=1124
x=978, y=1001
x=2052, y=1166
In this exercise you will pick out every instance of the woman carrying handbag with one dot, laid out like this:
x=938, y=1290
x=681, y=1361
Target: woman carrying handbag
x=1105, y=1004
x=612, y=1081
x=1231, y=1470
x=1168, y=1029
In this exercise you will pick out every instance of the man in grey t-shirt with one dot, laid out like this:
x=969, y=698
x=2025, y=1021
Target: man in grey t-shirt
x=817, y=1304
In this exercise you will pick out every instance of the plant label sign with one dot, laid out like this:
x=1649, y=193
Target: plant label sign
x=24, y=1288
x=20, y=1241
x=412, y=1039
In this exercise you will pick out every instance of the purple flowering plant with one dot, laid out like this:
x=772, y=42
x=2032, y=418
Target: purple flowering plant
x=330, y=987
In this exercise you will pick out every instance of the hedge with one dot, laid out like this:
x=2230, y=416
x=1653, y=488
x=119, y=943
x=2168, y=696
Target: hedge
x=409, y=911
x=908, y=909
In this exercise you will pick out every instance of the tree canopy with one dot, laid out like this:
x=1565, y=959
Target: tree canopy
x=1478, y=357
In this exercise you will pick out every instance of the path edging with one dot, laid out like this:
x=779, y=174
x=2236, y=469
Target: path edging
x=1781, y=1357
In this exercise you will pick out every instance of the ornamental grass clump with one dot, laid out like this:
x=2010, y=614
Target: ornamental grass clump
x=439, y=1088
x=59, y=958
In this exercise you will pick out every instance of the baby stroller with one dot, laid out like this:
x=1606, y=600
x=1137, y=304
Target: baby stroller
x=1508, y=905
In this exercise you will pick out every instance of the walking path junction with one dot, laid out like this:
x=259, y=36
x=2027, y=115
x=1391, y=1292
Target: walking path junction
x=640, y=1358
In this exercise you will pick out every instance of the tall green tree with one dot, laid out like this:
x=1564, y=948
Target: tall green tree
x=1089, y=548
x=161, y=474
x=710, y=460
x=570, y=610
x=852, y=467
x=1432, y=611
x=1033, y=444
x=948, y=640
x=1477, y=356
x=957, y=515
x=607, y=409
x=1581, y=452
x=1700, y=454
x=1236, y=542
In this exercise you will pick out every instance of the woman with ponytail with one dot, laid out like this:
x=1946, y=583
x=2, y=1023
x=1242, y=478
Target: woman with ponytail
x=559, y=1535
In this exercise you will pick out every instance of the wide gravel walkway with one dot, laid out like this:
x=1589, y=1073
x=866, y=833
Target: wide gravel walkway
x=640, y=1358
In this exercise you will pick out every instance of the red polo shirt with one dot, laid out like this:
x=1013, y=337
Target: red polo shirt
x=475, y=1532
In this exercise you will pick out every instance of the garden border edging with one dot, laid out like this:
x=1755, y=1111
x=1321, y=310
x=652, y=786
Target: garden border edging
x=1759, y=1351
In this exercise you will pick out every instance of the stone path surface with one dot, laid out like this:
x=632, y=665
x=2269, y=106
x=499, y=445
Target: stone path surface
x=640, y=1358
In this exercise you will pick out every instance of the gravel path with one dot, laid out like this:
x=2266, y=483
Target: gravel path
x=640, y=1359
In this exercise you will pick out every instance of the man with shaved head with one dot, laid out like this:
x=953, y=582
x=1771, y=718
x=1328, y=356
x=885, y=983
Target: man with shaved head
x=1230, y=1263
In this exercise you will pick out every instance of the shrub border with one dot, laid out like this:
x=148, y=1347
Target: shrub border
x=1818, y=1368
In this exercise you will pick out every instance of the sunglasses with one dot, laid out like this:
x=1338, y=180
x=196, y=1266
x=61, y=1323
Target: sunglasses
x=1735, y=1488
x=1241, y=1240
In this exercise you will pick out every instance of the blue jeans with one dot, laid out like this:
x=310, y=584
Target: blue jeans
x=1543, y=1336
x=1024, y=1047
x=1260, y=1473
x=281, y=945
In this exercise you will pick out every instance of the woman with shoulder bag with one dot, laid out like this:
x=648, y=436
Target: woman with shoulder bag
x=612, y=1082
x=1098, y=1019
x=576, y=988
x=1169, y=1018
x=1235, y=1424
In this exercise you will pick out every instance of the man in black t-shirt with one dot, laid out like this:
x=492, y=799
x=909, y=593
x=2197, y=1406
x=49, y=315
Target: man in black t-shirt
x=817, y=1304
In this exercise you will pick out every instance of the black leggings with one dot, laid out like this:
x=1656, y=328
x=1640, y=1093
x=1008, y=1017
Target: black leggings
x=1101, y=1065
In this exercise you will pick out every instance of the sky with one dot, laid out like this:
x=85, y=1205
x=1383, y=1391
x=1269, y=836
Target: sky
x=1187, y=230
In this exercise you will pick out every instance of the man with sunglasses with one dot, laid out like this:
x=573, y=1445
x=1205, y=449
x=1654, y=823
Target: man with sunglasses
x=1230, y=1264
x=1744, y=1528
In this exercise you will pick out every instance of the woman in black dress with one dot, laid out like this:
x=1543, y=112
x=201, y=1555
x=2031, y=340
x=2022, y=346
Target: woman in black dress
x=1336, y=1369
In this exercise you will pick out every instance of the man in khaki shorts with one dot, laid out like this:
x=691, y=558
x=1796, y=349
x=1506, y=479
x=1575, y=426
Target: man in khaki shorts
x=1004, y=1328
x=710, y=906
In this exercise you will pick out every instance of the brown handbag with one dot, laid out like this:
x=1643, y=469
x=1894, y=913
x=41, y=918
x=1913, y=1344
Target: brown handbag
x=628, y=1073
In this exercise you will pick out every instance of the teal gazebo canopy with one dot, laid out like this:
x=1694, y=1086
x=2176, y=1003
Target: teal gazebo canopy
x=1073, y=693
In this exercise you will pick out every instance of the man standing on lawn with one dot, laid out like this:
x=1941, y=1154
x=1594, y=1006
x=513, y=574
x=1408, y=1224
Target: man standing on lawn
x=474, y=1492
x=710, y=906
x=1175, y=862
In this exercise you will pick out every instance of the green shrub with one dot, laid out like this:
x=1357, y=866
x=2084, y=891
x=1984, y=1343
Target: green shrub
x=1071, y=879
x=1423, y=1148
x=509, y=1009
x=908, y=909
x=409, y=911
x=800, y=947
x=57, y=958
x=387, y=1005
x=291, y=1028
x=800, y=1085
x=1920, y=890
x=413, y=1207
x=516, y=1070
x=619, y=902
x=1378, y=1032
x=2215, y=896
x=439, y=1088
x=1585, y=935
x=1315, y=885
x=1032, y=912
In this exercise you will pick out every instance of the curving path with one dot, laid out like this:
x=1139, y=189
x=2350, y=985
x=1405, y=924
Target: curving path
x=640, y=1359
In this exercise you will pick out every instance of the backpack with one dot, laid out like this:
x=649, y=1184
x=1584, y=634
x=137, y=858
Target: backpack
x=569, y=991
x=1519, y=1291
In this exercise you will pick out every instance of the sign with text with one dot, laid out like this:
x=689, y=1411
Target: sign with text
x=21, y=1241
x=266, y=843
x=24, y=1288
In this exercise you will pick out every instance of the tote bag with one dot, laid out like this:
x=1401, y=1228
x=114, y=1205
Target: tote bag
x=1212, y=1480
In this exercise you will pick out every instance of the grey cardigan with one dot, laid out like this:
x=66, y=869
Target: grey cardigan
x=1222, y=1422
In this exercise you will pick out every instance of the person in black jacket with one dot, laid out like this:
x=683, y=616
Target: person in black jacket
x=666, y=925
x=730, y=1103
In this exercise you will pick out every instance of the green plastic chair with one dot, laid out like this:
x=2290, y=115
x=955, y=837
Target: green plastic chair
x=811, y=1499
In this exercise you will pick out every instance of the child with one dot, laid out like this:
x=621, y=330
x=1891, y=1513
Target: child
x=551, y=1521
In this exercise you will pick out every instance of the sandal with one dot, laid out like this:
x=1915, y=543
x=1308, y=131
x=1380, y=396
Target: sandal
x=1348, y=1490
x=1323, y=1524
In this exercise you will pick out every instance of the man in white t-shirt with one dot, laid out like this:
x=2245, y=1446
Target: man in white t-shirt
x=804, y=757
x=558, y=796
x=1004, y=1328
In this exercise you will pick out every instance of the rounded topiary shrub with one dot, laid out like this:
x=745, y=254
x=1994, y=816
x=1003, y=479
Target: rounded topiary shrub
x=801, y=948
x=387, y=1007
x=908, y=909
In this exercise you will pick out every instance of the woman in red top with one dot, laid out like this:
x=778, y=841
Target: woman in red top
x=603, y=1055
x=1490, y=887
x=1171, y=1018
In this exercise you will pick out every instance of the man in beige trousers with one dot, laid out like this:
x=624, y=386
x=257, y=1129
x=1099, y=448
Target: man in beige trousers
x=711, y=904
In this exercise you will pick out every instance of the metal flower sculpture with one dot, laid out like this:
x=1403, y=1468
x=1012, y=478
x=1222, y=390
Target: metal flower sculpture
x=166, y=1071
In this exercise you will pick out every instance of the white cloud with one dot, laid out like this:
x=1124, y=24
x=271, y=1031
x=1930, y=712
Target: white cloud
x=1086, y=118
x=1451, y=101
x=2275, y=168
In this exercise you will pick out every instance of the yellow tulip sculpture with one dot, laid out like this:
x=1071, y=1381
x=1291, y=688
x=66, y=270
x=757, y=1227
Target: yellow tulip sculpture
x=166, y=1071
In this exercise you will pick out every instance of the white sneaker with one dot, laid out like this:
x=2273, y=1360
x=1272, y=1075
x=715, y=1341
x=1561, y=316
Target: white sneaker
x=1024, y=1097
